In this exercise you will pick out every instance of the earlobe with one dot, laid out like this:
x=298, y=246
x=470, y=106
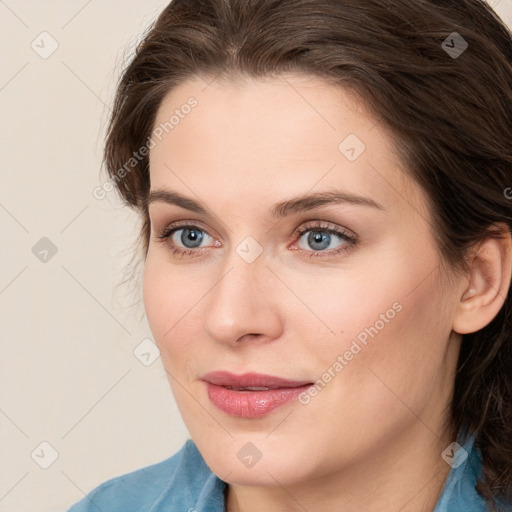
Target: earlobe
x=489, y=281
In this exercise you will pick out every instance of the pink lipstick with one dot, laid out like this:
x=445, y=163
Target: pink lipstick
x=251, y=395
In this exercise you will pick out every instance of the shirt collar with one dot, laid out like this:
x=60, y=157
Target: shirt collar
x=459, y=493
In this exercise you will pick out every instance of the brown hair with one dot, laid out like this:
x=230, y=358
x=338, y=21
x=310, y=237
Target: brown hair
x=450, y=115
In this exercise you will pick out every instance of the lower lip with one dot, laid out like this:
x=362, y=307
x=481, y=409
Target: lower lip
x=251, y=404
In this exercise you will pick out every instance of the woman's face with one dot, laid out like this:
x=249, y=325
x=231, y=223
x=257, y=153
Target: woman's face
x=369, y=320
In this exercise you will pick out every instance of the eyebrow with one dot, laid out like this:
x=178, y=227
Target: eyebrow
x=279, y=210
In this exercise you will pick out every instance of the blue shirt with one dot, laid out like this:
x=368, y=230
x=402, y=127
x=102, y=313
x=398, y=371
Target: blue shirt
x=184, y=483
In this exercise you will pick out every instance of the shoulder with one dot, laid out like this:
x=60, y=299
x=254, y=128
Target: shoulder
x=459, y=492
x=178, y=481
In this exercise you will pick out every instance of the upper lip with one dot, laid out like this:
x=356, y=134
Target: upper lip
x=224, y=378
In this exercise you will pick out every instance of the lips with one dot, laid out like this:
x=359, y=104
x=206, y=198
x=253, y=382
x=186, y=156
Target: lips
x=251, y=381
x=251, y=395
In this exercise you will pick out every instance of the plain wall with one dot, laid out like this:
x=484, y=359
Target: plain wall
x=68, y=373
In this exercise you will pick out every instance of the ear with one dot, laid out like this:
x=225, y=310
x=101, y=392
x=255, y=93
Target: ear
x=484, y=294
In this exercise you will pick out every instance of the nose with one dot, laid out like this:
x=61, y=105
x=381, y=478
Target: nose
x=243, y=304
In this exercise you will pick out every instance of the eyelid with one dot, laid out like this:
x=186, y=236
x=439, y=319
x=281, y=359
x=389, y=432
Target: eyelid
x=322, y=225
x=180, y=224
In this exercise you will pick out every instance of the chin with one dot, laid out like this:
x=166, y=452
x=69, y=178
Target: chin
x=235, y=466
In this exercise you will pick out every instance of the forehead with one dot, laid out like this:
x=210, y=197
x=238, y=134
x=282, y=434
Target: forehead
x=278, y=135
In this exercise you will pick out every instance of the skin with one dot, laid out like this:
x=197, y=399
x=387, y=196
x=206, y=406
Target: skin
x=372, y=438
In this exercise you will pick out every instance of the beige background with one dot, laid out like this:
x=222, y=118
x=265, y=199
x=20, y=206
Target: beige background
x=68, y=372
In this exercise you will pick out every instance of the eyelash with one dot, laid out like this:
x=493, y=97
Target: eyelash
x=166, y=234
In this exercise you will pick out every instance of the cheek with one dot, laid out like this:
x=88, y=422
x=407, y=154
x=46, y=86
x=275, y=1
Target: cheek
x=156, y=301
x=391, y=325
x=405, y=358
x=163, y=301
x=172, y=304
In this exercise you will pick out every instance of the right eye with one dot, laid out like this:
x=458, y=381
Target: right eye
x=185, y=243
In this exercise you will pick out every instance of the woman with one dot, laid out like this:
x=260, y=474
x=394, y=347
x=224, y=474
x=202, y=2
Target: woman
x=325, y=190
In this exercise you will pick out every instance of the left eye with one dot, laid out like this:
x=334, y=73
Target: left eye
x=321, y=236
x=320, y=240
